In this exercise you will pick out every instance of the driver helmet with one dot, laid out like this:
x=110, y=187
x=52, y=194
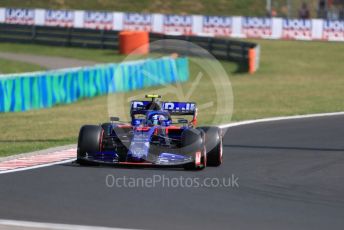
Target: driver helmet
x=157, y=119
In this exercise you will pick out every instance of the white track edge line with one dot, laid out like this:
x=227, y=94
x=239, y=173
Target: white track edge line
x=37, y=166
x=41, y=225
x=239, y=123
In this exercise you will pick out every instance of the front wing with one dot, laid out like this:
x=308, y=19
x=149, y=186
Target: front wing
x=164, y=159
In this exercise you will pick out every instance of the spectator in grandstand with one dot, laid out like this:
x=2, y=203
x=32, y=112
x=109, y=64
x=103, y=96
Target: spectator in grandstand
x=271, y=13
x=284, y=11
x=304, y=11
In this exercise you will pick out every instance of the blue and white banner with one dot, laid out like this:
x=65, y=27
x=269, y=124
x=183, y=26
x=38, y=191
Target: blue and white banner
x=98, y=20
x=217, y=26
x=298, y=29
x=236, y=26
x=177, y=24
x=257, y=27
x=136, y=21
x=333, y=30
x=63, y=18
x=20, y=16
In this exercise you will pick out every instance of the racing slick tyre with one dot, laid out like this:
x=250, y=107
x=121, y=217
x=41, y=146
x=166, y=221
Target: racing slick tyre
x=89, y=141
x=213, y=143
x=192, y=141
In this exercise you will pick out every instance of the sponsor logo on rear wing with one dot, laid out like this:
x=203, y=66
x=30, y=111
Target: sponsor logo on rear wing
x=175, y=108
x=179, y=107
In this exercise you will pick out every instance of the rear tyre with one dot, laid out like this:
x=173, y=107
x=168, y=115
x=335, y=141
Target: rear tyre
x=193, y=142
x=213, y=143
x=89, y=141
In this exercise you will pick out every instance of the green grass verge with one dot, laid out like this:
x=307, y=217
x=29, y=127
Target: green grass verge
x=206, y=7
x=7, y=66
x=294, y=78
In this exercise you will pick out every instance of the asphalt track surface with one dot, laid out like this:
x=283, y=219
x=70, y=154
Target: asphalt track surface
x=291, y=176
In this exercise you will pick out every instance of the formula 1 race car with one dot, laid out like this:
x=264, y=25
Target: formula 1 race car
x=156, y=136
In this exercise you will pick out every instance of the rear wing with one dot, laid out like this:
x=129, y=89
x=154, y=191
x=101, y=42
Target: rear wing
x=174, y=108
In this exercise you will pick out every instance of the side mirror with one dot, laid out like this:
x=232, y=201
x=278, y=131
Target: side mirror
x=113, y=119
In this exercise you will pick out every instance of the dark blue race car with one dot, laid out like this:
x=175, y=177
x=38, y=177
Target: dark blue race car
x=158, y=135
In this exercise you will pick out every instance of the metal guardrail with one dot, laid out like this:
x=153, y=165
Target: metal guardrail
x=221, y=48
x=59, y=36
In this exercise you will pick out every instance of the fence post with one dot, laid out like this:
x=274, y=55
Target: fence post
x=69, y=36
x=210, y=45
x=228, y=49
x=33, y=33
x=102, y=38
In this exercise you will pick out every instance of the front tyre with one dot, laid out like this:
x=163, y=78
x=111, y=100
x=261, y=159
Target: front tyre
x=192, y=141
x=214, y=146
x=89, y=142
